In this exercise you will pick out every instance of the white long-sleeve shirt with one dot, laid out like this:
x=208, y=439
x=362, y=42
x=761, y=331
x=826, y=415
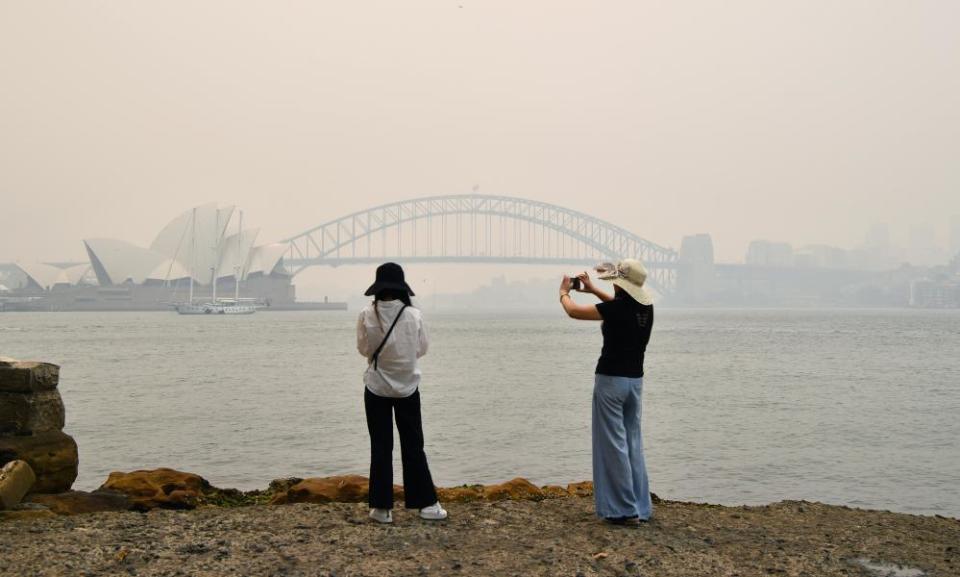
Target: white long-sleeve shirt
x=397, y=375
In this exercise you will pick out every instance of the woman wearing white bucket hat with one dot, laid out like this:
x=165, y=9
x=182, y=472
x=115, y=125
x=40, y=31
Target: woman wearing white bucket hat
x=391, y=335
x=621, y=488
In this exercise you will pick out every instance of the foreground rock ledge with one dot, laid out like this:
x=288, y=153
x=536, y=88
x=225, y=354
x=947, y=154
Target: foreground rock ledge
x=164, y=488
x=555, y=537
x=32, y=416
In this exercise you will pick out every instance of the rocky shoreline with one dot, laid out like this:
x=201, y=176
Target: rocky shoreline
x=508, y=536
x=174, y=523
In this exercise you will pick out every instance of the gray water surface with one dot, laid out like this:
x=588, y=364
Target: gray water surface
x=748, y=406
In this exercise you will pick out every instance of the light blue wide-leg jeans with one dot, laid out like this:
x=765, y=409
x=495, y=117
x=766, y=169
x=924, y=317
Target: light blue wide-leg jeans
x=620, y=485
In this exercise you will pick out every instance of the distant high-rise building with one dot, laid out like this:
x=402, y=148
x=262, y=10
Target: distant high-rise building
x=922, y=249
x=877, y=253
x=821, y=256
x=955, y=235
x=696, y=274
x=878, y=238
x=766, y=253
x=697, y=248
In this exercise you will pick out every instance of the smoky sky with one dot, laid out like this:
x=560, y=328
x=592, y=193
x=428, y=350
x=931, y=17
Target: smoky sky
x=805, y=122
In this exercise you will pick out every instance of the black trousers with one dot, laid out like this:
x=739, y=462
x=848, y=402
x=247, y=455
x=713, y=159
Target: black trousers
x=418, y=488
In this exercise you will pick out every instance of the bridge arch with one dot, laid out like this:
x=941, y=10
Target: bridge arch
x=475, y=228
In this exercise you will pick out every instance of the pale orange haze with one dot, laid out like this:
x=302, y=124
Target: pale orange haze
x=805, y=122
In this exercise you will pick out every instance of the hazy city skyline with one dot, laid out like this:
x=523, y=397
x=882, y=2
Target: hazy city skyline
x=805, y=123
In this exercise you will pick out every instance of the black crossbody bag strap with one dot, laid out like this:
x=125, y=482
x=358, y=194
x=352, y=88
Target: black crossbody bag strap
x=376, y=353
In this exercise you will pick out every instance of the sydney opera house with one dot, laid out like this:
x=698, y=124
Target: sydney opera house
x=202, y=251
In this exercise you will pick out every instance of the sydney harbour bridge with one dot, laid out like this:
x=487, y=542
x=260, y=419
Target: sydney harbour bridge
x=475, y=228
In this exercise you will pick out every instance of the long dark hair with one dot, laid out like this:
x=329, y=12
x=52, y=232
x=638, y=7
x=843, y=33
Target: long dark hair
x=389, y=295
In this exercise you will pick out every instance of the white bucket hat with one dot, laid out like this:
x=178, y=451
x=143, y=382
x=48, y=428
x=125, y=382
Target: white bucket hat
x=628, y=274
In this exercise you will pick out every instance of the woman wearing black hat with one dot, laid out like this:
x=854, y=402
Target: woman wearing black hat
x=391, y=336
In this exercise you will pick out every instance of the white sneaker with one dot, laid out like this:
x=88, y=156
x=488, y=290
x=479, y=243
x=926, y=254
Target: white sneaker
x=381, y=515
x=434, y=512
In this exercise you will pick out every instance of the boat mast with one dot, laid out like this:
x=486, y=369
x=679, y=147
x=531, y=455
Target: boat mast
x=216, y=258
x=236, y=274
x=193, y=251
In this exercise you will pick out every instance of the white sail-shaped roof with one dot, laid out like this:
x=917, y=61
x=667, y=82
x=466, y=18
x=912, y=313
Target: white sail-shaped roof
x=223, y=219
x=44, y=275
x=48, y=276
x=116, y=261
x=76, y=272
x=192, y=244
x=263, y=259
x=169, y=269
x=194, y=239
x=175, y=237
x=236, y=252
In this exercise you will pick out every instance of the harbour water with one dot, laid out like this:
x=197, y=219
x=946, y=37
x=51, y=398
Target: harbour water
x=740, y=406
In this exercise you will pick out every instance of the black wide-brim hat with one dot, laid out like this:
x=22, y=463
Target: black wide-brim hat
x=389, y=277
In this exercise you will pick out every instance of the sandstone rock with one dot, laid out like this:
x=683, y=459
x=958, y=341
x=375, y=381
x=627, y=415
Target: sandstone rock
x=51, y=455
x=27, y=376
x=283, y=485
x=28, y=505
x=337, y=489
x=462, y=494
x=515, y=489
x=26, y=514
x=165, y=488
x=354, y=489
x=554, y=491
x=16, y=479
x=581, y=489
x=28, y=413
x=346, y=488
x=217, y=497
x=79, y=502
